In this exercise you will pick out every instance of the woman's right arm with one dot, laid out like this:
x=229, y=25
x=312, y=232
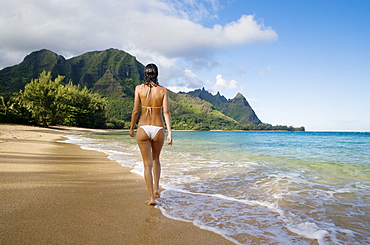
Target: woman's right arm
x=167, y=118
x=135, y=112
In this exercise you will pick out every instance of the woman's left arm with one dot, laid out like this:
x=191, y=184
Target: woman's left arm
x=167, y=118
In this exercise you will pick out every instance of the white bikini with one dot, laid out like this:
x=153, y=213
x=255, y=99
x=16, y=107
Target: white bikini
x=150, y=130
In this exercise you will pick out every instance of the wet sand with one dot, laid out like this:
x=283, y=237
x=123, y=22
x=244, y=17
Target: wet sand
x=57, y=193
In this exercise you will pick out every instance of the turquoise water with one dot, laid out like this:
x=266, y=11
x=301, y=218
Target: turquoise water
x=260, y=187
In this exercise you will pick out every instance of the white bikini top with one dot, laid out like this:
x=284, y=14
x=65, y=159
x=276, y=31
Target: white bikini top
x=149, y=110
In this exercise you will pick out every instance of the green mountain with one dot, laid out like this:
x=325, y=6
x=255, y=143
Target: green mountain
x=237, y=108
x=108, y=86
x=13, y=79
x=189, y=112
x=84, y=70
x=114, y=74
x=88, y=68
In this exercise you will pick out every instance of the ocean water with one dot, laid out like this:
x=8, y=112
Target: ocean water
x=260, y=187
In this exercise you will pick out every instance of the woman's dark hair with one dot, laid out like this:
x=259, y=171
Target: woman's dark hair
x=151, y=75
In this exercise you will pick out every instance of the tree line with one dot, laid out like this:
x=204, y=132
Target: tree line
x=48, y=102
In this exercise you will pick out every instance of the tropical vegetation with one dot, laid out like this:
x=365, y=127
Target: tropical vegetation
x=48, y=102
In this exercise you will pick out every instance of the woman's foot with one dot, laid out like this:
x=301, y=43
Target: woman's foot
x=156, y=194
x=152, y=202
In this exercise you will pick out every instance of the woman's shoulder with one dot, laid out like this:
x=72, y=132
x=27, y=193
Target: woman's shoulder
x=163, y=90
x=143, y=86
x=161, y=87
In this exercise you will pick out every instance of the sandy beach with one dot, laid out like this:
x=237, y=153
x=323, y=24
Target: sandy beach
x=57, y=193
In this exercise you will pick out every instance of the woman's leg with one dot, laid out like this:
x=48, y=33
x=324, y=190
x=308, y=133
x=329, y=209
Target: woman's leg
x=145, y=145
x=157, y=145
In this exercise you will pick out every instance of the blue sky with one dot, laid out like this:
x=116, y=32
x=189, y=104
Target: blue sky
x=301, y=63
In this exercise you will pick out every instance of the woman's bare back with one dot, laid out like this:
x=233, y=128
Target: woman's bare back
x=152, y=103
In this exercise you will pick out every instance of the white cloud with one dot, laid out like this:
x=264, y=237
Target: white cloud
x=222, y=84
x=180, y=79
x=159, y=31
x=176, y=37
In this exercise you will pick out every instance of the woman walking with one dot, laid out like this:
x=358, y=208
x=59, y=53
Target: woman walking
x=150, y=135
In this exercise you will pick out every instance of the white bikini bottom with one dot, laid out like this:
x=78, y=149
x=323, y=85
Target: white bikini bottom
x=151, y=131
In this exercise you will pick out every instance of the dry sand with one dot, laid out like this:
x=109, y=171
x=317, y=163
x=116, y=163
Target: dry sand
x=57, y=193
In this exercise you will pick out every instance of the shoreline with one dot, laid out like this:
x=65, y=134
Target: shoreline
x=58, y=193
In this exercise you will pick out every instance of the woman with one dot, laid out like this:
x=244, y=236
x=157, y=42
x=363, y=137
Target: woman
x=150, y=134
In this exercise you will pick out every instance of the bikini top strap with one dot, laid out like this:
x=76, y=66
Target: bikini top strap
x=150, y=85
x=149, y=110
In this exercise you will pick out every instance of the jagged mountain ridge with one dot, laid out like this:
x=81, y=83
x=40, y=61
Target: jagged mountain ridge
x=114, y=74
x=237, y=108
